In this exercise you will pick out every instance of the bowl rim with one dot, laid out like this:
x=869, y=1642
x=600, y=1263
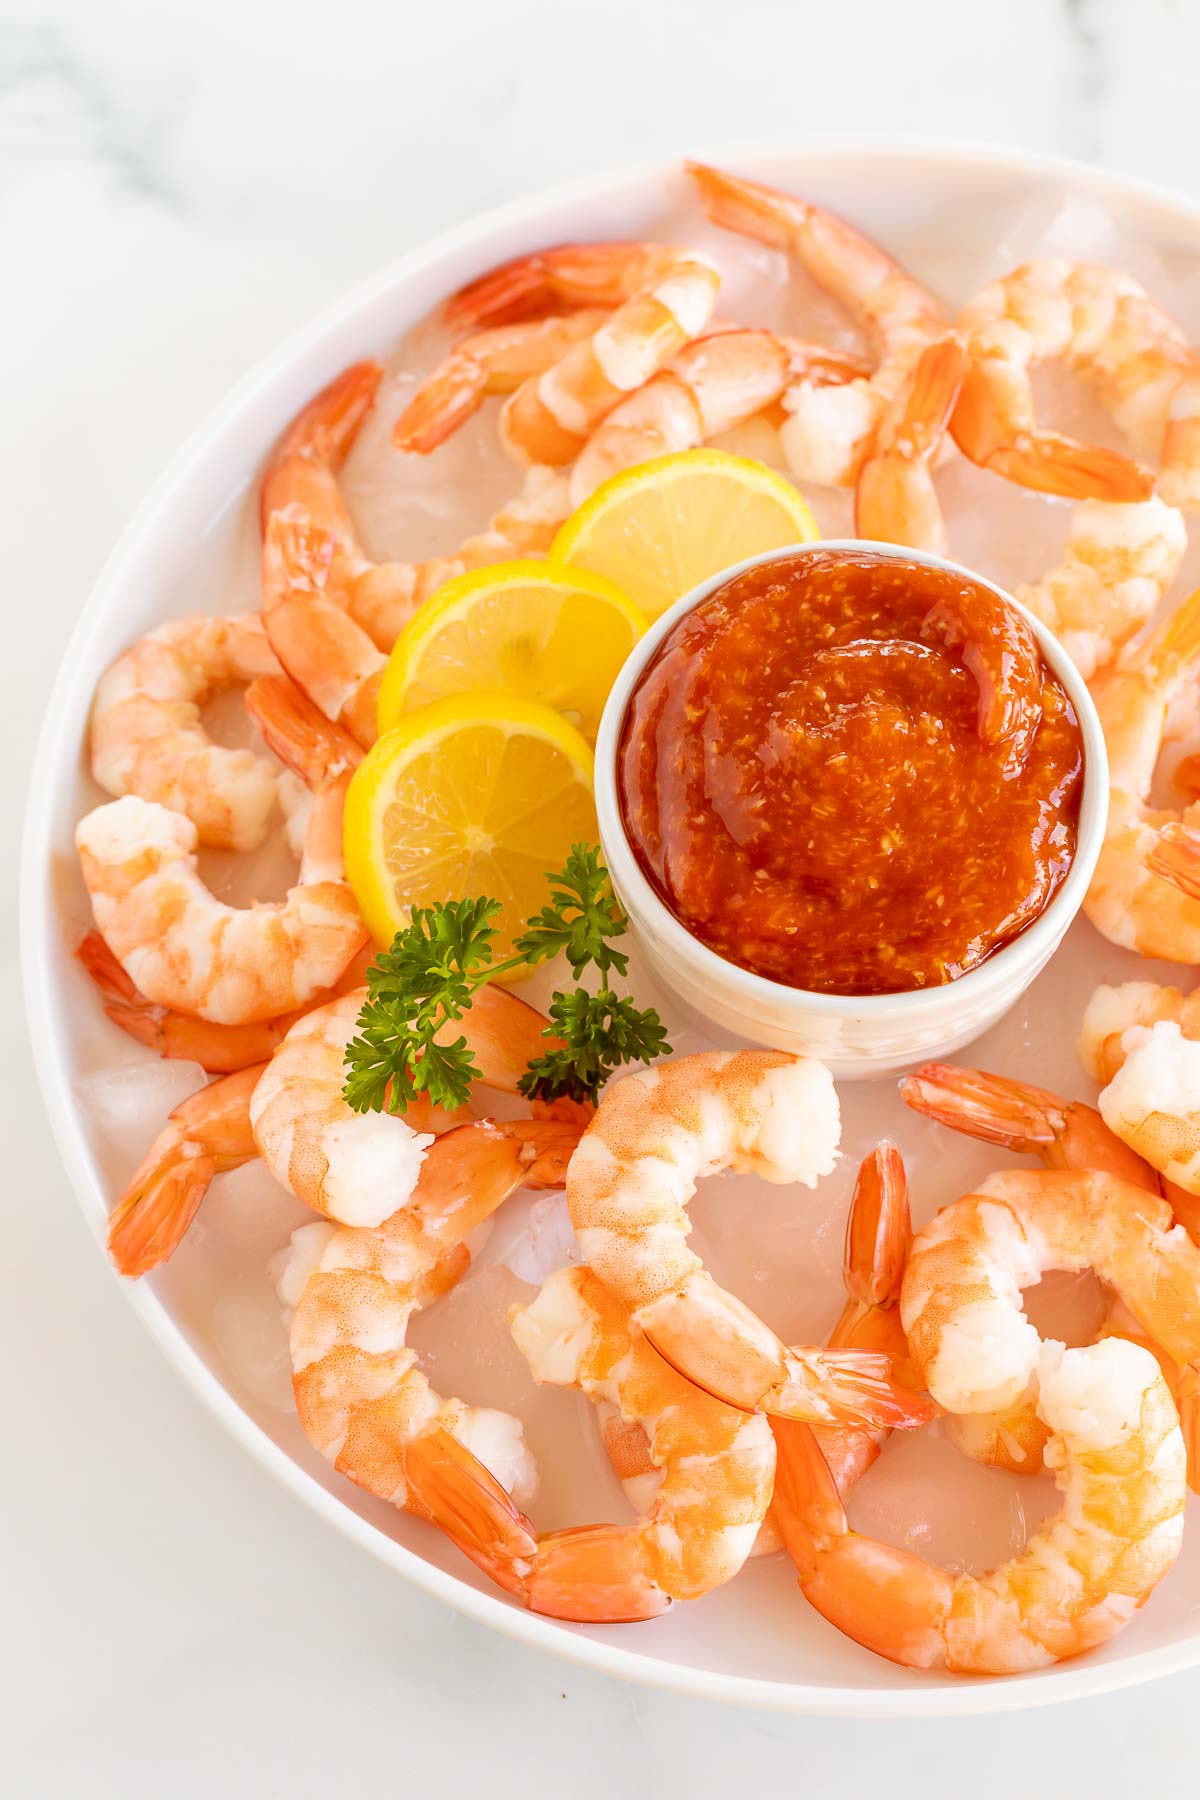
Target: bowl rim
x=998, y=970
x=907, y=1696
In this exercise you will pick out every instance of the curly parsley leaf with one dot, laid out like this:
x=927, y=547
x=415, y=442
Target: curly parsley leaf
x=428, y=975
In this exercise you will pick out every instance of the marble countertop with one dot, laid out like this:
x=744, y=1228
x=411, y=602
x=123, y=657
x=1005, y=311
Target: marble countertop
x=180, y=185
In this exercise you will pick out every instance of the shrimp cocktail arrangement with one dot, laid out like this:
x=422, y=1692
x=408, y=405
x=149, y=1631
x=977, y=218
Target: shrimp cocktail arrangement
x=850, y=774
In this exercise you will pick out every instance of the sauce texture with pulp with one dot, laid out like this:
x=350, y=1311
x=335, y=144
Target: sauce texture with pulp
x=852, y=774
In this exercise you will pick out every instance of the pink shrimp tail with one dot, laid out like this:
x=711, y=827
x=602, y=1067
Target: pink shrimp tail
x=326, y=428
x=850, y=1387
x=878, y=1229
x=593, y=1574
x=883, y=1598
x=989, y=1107
x=746, y=206
x=450, y=1486
x=563, y=275
x=1045, y=461
x=298, y=731
x=923, y=408
x=519, y=289
x=124, y=1003
x=153, y=1215
x=894, y=498
x=443, y=403
x=808, y=1506
x=1175, y=857
x=104, y=969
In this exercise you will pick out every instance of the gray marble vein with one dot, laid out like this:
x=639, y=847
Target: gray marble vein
x=55, y=104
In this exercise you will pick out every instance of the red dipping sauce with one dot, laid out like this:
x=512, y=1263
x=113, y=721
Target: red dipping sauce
x=852, y=774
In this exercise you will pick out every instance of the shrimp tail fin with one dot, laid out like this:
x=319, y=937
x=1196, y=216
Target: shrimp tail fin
x=882, y=1597
x=1175, y=857
x=123, y=1001
x=746, y=206
x=920, y=412
x=298, y=731
x=878, y=1229
x=808, y=1506
x=516, y=290
x=894, y=497
x=440, y=405
x=1050, y=464
x=849, y=1387
x=989, y=1107
x=593, y=1574
x=156, y=1209
x=327, y=427
x=1045, y=461
x=449, y=1485
x=109, y=975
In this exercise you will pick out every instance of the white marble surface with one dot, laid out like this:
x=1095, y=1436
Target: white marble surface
x=180, y=184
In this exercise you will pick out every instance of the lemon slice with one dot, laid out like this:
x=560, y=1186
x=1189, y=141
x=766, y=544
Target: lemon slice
x=660, y=528
x=476, y=794
x=554, y=635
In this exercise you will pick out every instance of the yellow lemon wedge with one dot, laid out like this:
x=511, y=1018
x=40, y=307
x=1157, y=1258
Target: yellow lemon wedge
x=476, y=794
x=658, y=529
x=557, y=636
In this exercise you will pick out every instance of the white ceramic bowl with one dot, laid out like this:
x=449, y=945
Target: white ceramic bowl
x=751, y=1642
x=857, y=1036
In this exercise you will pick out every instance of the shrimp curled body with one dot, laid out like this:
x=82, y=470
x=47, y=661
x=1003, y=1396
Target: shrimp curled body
x=654, y=1135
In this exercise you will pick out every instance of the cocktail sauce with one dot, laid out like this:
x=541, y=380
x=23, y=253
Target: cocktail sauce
x=852, y=774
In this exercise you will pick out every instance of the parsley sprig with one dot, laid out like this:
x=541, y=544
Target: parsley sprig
x=427, y=978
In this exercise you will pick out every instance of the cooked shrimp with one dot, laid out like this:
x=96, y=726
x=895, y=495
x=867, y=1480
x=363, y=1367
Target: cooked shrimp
x=183, y=948
x=1065, y=1134
x=1117, y=1453
x=832, y=430
x=490, y=362
x=146, y=735
x=221, y=1049
x=1117, y=564
x=364, y=1401
x=1153, y=1101
x=895, y=501
x=1116, y=1021
x=715, y=1463
x=1113, y=1436
x=711, y=386
x=352, y=1167
x=961, y=1306
x=878, y=1233
x=1112, y=1011
x=662, y=298
x=301, y=483
x=1153, y=1105
x=654, y=1135
x=1047, y=308
x=1130, y=900
x=359, y=1167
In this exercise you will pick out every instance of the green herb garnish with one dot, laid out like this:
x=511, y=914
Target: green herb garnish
x=425, y=981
